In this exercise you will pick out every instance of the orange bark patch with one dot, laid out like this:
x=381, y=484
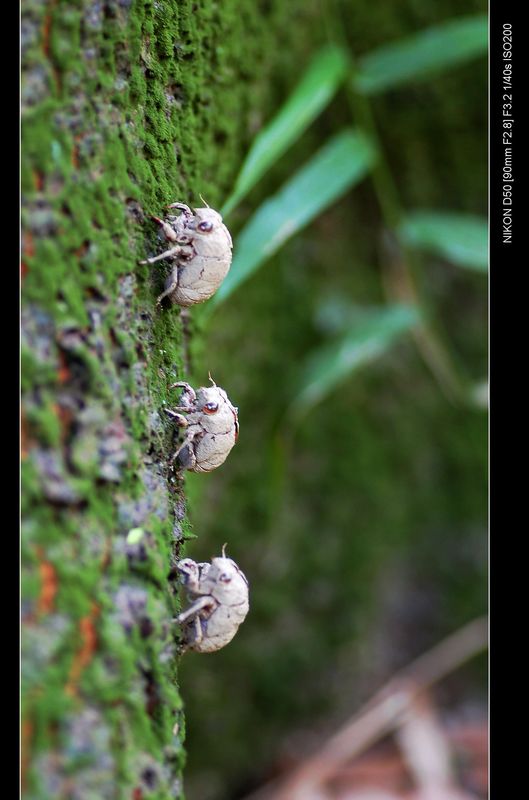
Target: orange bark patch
x=28, y=249
x=38, y=177
x=49, y=587
x=88, y=647
x=24, y=437
x=46, y=42
x=28, y=244
x=81, y=251
x=75, y=153
x=46, y=29
x=26, y=733
x=63, y=373
x=65, y=415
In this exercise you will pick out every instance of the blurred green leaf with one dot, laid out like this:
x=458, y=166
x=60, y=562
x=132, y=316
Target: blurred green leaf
x=340, y=164
x=321, y=80
x=460, y=238
x=334, y=362
x=336, y=313
x=479, y=395
x=418, y=57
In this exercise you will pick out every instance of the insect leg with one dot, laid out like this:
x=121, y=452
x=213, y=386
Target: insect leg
x=188, y=439
x=181, y=207
x=170, y=233
x=199, y=605
x=171, y=285
x=180, y=420
x=188, y=389
x=198, y=630
x=177, y=250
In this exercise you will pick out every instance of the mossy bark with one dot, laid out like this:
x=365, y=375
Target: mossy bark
x=127, y=105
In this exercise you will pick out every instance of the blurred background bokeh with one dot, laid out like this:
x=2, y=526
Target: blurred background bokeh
x=361, y=523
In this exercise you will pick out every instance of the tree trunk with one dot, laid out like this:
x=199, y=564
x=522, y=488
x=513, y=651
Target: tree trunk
x=127, y=106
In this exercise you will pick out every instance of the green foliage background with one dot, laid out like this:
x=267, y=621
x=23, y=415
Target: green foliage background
x=363, y=531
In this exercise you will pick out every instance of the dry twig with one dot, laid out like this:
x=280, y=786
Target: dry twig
x=383, y=713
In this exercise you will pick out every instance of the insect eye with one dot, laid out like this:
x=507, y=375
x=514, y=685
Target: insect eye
x=211, y=408
x=205, y=226
x=225, y=578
